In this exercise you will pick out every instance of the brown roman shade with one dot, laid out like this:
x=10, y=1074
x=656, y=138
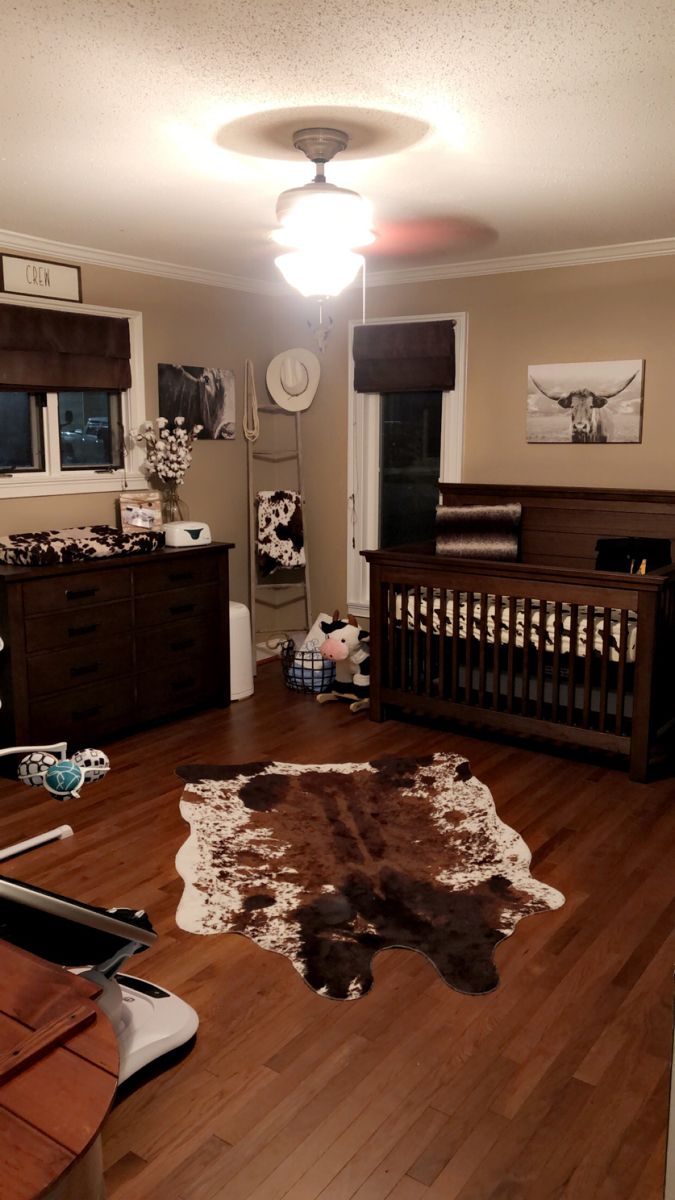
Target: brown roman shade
x=418, y=356
x=44, y=348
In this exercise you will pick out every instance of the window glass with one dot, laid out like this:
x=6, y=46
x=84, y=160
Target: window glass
x=410, y=465
x=21, y=432
x=90, y=430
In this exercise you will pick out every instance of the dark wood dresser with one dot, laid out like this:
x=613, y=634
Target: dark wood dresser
x=97, y=649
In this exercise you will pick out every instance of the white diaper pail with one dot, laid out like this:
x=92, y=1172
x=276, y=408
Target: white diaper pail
x=241, y=660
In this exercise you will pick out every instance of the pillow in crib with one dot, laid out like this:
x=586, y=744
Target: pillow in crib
x=479, y=531
x=632, y=555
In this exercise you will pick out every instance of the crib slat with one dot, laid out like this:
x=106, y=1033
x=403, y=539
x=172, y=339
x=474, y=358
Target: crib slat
x=555, y=681
x=454, y=682
x=511, y=659
x=403, y=683
x=621, y=670
x=429, y=640
x=541, y=655
x=443, y=620
x=468, y=659
x=496, y=651
x=525, y=673
x=571, y=662
x=482, y=667
x=606, y=622
x=415, y=682
x=588, y=665
x=391, y=633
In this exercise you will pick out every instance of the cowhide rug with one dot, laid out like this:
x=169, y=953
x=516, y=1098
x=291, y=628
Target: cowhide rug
x=329, y=864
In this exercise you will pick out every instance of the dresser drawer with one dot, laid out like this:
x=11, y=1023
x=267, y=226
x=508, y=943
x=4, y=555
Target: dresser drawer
x=193, y=602
x=181, y=573
x=83, y=714
x=60, y=669
x=76, y=591
x=85, y=627
x=170, y=643
x=169, y=689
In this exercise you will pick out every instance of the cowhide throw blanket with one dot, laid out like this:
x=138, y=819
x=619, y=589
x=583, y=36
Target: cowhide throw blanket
x=281, y=541
x=329, y=864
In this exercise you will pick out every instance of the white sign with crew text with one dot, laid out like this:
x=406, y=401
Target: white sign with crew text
x=31, y=277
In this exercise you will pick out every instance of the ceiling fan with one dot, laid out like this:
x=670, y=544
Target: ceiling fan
x=321, y=226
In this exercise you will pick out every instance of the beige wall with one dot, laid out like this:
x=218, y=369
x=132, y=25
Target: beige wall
x=617, y=310
x=595, y=313
x=189, y=323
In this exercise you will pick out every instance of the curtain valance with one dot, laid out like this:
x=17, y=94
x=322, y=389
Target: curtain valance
x=415, y=356
x=44, y=348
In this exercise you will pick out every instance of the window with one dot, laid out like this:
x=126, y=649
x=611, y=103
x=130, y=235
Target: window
x=21, y=433
x=64, y=441
x=400, y=445
x=91, y=431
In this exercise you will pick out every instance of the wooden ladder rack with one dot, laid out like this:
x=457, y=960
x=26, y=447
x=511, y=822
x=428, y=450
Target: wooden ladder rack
x=287, y=593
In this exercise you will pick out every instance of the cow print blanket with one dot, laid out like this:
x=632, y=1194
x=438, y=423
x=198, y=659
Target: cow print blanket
x=281, y=540
x=330, y=864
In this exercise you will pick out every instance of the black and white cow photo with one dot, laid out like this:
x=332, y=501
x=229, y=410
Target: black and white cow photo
x=585, y=402
x=202, y=395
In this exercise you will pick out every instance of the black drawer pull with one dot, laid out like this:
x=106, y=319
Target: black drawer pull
x=184, y=645
x=85, y=669
x=80, y=714
x=175, y=609
x=179, y=685
x=180, y=576
x=81, y=593
x=81, y=630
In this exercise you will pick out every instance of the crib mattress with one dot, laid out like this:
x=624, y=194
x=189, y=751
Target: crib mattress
x=541, y=610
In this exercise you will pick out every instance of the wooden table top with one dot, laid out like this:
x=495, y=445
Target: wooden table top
x=52, y=1109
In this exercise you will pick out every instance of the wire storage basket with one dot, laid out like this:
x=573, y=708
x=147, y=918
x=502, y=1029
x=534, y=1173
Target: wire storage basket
x=306, y=670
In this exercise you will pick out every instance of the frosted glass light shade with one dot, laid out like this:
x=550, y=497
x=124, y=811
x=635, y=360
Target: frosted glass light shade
x=321, y=214
x=319, y=272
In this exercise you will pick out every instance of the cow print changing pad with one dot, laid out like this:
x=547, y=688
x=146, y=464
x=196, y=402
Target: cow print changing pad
x=54, y=546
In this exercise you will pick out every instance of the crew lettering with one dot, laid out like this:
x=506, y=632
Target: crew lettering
x=37, y=276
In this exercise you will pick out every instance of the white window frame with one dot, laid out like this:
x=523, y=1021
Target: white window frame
x=363, y=473
x=55, y=482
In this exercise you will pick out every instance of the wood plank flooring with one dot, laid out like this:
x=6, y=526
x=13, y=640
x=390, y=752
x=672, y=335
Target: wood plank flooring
x=554, y=1086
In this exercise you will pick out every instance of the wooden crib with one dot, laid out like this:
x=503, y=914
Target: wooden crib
x=545, y=646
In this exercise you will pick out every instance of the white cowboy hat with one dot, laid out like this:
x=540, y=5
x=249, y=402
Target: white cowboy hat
x=292, y=379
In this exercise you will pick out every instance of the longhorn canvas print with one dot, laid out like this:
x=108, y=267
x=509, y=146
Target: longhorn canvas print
x=591, y=402
x=202, y=395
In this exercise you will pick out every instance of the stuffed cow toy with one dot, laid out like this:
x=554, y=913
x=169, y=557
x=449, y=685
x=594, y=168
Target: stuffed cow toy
x=347, y=645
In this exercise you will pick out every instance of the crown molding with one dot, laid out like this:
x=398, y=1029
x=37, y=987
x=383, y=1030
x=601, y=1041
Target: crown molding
x=523, y=262
x=65, y=252
x=585, y=256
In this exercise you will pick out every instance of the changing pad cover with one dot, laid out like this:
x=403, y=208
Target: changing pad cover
x=52, y=546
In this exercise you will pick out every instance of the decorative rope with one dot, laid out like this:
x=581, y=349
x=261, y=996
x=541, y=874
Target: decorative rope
x=251, y=421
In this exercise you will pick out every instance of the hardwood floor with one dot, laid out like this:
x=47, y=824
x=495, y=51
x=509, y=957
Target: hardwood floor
x=553, y=1086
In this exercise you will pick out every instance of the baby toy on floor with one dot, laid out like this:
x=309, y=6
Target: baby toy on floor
x=347, y=645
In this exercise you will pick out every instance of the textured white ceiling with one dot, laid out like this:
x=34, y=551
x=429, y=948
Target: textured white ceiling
x=551, y=123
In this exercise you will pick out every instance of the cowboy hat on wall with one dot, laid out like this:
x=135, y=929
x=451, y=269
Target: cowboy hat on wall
x=292, y=379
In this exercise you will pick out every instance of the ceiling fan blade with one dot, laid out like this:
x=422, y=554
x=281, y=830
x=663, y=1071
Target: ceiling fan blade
x=420, y=236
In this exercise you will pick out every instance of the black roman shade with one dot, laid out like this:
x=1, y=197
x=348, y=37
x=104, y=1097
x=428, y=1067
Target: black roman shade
x=418, y=356
x=43, y=348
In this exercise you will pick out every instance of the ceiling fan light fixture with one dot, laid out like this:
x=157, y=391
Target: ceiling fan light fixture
x=318, y=273
x=321, y=224
x=320, y=212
